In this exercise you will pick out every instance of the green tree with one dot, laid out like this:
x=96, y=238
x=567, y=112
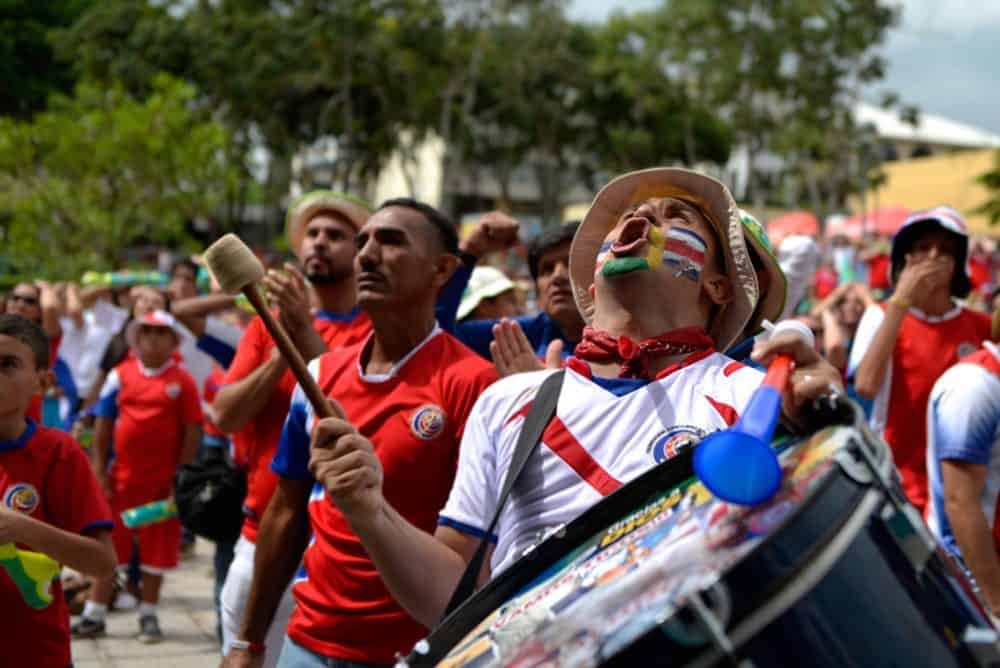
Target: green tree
x=29, y=71
x=101, y=170
x=991, y=179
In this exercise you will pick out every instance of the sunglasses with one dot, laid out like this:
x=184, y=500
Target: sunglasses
x=30, y=301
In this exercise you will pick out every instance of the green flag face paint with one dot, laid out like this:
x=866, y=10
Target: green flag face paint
x=680, y=247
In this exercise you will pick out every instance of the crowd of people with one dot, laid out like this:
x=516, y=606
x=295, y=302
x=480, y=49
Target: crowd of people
x=357, y=528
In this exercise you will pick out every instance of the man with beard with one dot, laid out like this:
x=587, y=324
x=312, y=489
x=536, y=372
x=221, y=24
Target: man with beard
x=253, y=401
x=661, y=273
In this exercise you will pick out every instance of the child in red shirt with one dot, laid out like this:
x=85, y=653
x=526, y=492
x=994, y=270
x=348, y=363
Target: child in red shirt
x=50, y=503
x=152, y=405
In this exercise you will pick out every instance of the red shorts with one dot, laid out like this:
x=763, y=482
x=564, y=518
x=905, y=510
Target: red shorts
x=159, y=543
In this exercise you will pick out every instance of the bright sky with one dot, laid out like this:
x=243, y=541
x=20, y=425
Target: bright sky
x=942, y=57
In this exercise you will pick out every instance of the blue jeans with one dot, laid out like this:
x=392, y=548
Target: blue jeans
x=294, y=655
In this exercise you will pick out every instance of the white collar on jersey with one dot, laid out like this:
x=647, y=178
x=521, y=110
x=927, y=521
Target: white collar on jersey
x=152, y=373
x=947, y=315
x=382, y=377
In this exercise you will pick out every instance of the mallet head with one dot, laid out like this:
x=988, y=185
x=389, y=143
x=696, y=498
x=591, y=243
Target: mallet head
x=233, y=264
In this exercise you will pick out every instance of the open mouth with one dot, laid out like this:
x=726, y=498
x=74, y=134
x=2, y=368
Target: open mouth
x=632, y=237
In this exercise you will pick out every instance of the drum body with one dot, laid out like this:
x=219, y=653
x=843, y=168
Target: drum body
x=836, y=570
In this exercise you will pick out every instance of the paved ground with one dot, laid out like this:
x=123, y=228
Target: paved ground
x=186, y=617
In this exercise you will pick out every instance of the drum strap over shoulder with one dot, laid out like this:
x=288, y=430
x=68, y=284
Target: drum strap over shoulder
x=543, y=408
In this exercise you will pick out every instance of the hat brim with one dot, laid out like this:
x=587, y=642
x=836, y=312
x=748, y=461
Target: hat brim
x=710, y=197
x=771, y=303
x=469, y=304
x=312, y=204
x=181, y=333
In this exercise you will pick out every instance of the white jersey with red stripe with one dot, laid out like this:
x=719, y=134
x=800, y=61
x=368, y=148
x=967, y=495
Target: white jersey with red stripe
x=599, y=439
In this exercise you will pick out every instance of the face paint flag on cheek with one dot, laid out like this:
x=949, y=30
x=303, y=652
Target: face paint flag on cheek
x=686, y=249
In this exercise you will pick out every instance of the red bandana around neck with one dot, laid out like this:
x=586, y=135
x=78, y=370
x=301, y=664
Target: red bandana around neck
x=603, y=348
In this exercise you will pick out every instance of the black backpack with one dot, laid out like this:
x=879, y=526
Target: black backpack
x=209, y=493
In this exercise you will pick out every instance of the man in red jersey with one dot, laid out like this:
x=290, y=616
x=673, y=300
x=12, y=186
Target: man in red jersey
x=408, y=388
x=902, y=346
x=254, y=400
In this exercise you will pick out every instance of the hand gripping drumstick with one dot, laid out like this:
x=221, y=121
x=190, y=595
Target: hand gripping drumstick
x=738, y=465
x=237, y=269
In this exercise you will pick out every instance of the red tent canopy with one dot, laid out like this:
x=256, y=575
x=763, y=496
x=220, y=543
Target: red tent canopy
x=795, y=222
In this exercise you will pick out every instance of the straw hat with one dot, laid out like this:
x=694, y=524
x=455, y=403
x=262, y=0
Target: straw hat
x=771, y=304
x=312, y=203
x=708, y=196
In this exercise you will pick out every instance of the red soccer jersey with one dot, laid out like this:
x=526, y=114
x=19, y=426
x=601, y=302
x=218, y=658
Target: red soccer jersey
x=258, y=440
x=878, y=272
x=45, y=474
x=414, y=416
x=151, y=408
x=212, y=384
x=925, y=348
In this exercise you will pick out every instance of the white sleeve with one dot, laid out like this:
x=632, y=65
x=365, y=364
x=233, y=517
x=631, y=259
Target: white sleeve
x=863, y=337
x=108, y=315
x=473, y=497
x=222, y=331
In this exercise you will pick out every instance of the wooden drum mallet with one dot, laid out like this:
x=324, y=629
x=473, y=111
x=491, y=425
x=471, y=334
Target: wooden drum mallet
x=237, y=270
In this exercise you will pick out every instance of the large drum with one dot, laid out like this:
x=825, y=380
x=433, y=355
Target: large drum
x=836, y=570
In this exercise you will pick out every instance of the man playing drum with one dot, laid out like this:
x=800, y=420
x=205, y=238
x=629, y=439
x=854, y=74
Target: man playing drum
x=662, y=276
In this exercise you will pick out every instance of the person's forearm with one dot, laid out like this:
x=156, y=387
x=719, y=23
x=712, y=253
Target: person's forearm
x=236, y=404
x=74, y=307
x=89, y=555
x=90, y=294
x=419, y=570
x=192, y=440
x=871, y=372
x=281, y=540
x=102, y=445
x=975, y=540
x=201, y=306
x=310, y=344
x=834, y=342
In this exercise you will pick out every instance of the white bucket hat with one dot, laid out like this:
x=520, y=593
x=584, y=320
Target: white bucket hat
x=703, y=192
x=485, y=282
x=157, y=319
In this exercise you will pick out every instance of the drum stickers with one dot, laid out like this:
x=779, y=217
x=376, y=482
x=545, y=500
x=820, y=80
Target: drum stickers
x=634, y=575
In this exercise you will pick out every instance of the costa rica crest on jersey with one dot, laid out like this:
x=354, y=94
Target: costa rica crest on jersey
x=21, y=497
x=173, y=390
x=668, y=443
x=427, y=422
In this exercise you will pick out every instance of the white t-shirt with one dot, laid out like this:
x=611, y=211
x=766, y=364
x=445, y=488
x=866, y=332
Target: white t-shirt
x=596, y=442
x=82, y=348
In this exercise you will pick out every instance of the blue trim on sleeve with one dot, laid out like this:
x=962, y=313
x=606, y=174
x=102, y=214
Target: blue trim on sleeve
x=106, y=406
x=93, y=526
x=973, y=456
x=291, y=460
x=217, y=349
x=465, y=528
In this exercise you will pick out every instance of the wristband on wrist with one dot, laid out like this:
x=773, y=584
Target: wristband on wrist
x=900, y=301
x=252, y=647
